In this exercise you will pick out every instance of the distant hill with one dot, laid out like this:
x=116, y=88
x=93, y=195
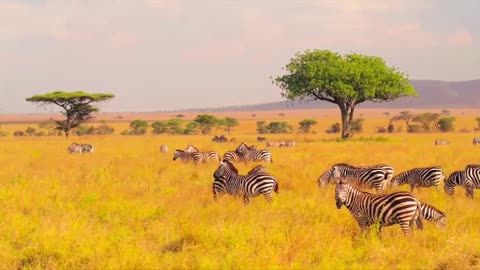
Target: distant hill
x=432, y=94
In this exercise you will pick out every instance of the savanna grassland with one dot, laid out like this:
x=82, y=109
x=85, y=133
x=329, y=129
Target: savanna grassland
x=128, y=206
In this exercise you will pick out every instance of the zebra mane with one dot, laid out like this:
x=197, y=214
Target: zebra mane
x=342, y=164
x=179, y=150
x=230, y=166
x=192, y=148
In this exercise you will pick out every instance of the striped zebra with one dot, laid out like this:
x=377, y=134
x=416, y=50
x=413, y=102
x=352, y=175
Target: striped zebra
x=191, y=149
x=233, y=156
x=420, y=177
x=371, y=177
x=163, y=148
x=187, y=156
x=288, y=143
x=432, y=214
x=472, y=179
x=220, y=186
x=251, y=154
x=476, y=141
x=387, y=209
x=441, y=142
x=80, y=148
x=250, y=185
x=457, y=178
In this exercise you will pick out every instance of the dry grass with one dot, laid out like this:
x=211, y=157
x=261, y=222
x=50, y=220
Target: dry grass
x=128, y=206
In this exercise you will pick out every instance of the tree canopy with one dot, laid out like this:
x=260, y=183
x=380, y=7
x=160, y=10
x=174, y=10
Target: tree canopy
x=76, y=105
x=346, y=80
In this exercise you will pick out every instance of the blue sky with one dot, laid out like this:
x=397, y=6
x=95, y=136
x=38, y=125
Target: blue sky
x=159, y=55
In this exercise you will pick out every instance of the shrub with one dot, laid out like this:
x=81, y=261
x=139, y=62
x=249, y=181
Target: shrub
x=30, y=131
x=305, y=125
x=356, y=126
x=18, y=133
x=391, y=128
x=334, y=128
x=381, y=130
x=446, y=124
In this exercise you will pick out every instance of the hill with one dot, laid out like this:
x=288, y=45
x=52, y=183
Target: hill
x=432, y=94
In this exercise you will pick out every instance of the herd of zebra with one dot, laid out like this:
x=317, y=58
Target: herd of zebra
x=387, y=208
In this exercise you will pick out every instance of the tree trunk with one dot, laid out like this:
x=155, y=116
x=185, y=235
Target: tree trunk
x=67, y=133
x=345, y=122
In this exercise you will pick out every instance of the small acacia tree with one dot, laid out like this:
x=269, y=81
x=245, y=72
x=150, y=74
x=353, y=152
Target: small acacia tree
x=206, y=122
x=346, y=80
x=77, y=107
x=229, y=123
x=306, y=125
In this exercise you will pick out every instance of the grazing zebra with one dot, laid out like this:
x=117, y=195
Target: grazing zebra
x=250, y=185
x=253, y=154
x=288, y=143
x=370, y=177
x=387, y=209
x=476, y=140
x=185, y=156
x=163, y=148
x=80, y=148
x=457, y=178
x=233, y=156
x=420, y=177
x=220, y=186
x=472, y=179
x=191, y=149
x=441, y=142
x=432, y=214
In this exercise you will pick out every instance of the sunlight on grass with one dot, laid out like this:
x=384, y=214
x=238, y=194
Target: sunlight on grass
x=128, y=206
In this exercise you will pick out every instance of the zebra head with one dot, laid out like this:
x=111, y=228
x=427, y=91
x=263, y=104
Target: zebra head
x=225, y=170
x=242, y=148
x=87, y=148
x=341, y=192
x=324, y=178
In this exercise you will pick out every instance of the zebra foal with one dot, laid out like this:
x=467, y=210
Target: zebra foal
x=387, y=209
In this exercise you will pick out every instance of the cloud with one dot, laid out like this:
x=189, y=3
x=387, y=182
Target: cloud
x=460, y=38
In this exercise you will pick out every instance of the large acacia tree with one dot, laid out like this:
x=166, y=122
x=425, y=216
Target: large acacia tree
x=77, y=107
x=345, y=80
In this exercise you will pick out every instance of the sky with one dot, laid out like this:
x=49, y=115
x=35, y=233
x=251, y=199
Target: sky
x=176, y=54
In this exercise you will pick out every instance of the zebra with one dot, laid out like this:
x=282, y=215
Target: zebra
x=371, y=176
x=253, y=154
x=233, y=156
x=420, y=177
x=274, y=144
x=432, y=214
x=441, y=142
x=472, y=179
x=387, y=209
x=163, y=148
x=185, y=156
x=220, y=186
x=288, y=143
x=250, y=185
x=457, y=178
x=80, y=148
x=261, y=139
x=476, y=140
x=191, y=149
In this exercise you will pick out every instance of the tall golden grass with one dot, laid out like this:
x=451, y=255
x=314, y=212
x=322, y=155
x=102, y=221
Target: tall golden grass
x=128, y=206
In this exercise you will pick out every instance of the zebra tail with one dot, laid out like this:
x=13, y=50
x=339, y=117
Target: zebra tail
x=419, y=220
x=276, y=187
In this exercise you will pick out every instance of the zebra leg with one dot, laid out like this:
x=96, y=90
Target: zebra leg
x=268, y=197
x=412, y=187
x=405, y=227
x=246, y=199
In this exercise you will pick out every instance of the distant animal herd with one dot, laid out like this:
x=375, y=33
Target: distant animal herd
x=386, y=207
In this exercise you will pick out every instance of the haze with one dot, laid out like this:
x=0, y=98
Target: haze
x=163, y=55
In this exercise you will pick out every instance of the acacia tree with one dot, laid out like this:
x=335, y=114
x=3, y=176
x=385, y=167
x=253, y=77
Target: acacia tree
x=346, y=80
x=77, y=107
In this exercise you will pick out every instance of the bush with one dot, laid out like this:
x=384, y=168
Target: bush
x=273, y=127
x=334, y=128
x=3, y=133
x=381, y=130
x=356, y=126
x=416, y=129
x=18, y=133
x=446, y=124
x=81, y=130
x=30, y=131
x=305, y=125
x=391, y=128
x=40, y=133
x=137, y=127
